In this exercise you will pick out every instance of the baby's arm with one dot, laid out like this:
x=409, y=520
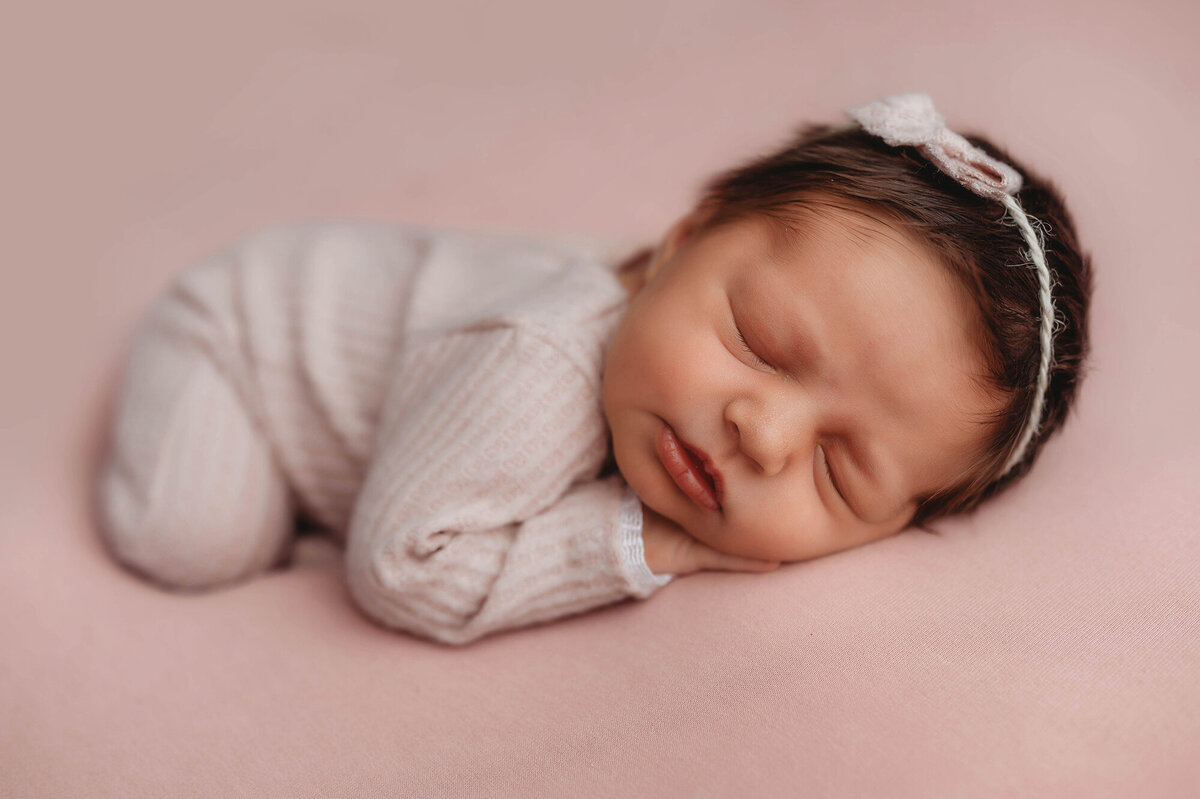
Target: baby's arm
x=481, y=511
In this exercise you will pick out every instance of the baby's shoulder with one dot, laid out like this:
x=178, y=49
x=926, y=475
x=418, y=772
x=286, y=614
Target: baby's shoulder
x=546, y=285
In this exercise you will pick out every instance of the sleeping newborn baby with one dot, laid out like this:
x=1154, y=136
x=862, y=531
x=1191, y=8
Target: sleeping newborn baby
x=875, y=326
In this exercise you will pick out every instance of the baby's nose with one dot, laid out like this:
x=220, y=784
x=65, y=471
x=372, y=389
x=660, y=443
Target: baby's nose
x=769, y=433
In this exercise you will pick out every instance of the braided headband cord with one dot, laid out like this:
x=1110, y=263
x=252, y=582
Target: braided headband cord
x=911, y=120
x=1037, y=254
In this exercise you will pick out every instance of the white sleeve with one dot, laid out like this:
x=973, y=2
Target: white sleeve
x=630, y=525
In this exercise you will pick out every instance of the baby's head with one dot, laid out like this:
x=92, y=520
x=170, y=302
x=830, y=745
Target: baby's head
x=842, y=339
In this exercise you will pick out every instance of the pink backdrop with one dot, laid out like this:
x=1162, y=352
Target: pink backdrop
x=1046, y=647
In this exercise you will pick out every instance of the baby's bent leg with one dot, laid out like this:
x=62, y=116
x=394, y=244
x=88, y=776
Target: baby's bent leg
x=189, y=493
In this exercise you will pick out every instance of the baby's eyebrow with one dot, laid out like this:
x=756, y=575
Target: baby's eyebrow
x=810, y=348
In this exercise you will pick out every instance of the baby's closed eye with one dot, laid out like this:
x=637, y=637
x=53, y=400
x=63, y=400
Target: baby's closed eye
x=741, y=336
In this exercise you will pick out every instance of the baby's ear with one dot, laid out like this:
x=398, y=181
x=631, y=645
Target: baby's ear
x=678, y=235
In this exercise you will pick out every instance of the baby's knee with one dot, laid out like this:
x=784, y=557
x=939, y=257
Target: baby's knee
x=183, y=541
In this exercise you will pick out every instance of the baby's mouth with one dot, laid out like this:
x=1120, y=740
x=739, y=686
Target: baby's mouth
x=701, y=461
x=690, y=468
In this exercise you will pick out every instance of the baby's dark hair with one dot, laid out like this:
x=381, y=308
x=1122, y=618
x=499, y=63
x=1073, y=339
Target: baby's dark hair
x=976, y=241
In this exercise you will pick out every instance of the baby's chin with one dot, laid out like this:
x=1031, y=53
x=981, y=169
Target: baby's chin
x=719, y=534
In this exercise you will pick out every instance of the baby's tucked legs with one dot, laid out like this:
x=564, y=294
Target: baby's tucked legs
x=190, y=495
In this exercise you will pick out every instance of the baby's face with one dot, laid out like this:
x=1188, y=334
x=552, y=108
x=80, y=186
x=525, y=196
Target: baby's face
x=789, y=399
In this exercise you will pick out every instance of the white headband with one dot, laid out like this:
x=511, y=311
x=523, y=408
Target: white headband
x=911, y=120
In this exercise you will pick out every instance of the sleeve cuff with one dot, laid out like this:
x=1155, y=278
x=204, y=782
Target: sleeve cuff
x=629, y=522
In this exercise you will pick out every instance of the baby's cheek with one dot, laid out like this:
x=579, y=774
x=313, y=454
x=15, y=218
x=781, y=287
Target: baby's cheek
x=688, y=367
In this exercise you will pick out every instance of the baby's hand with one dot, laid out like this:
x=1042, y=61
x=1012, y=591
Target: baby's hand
x=670, y=550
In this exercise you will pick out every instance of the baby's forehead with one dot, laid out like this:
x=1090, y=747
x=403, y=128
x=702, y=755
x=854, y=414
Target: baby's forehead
x=858, y=232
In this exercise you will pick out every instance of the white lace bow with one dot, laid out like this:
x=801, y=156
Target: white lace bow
x=911, y=119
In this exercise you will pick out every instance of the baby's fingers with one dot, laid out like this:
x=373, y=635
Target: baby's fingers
x=720, y=561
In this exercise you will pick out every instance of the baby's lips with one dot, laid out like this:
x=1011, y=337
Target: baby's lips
x=686, y=469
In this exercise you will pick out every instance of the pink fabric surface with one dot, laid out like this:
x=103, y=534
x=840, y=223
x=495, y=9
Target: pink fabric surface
x=1047, y=646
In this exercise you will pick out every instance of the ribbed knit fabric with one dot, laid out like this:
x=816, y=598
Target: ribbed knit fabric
x=430, y=396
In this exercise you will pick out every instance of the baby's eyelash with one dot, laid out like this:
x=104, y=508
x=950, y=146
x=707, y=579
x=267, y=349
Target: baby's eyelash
x=832, y=479
x=829, y=473
x=746, y=346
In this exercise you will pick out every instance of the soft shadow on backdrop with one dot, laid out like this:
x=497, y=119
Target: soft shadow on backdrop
x=1047, y=646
